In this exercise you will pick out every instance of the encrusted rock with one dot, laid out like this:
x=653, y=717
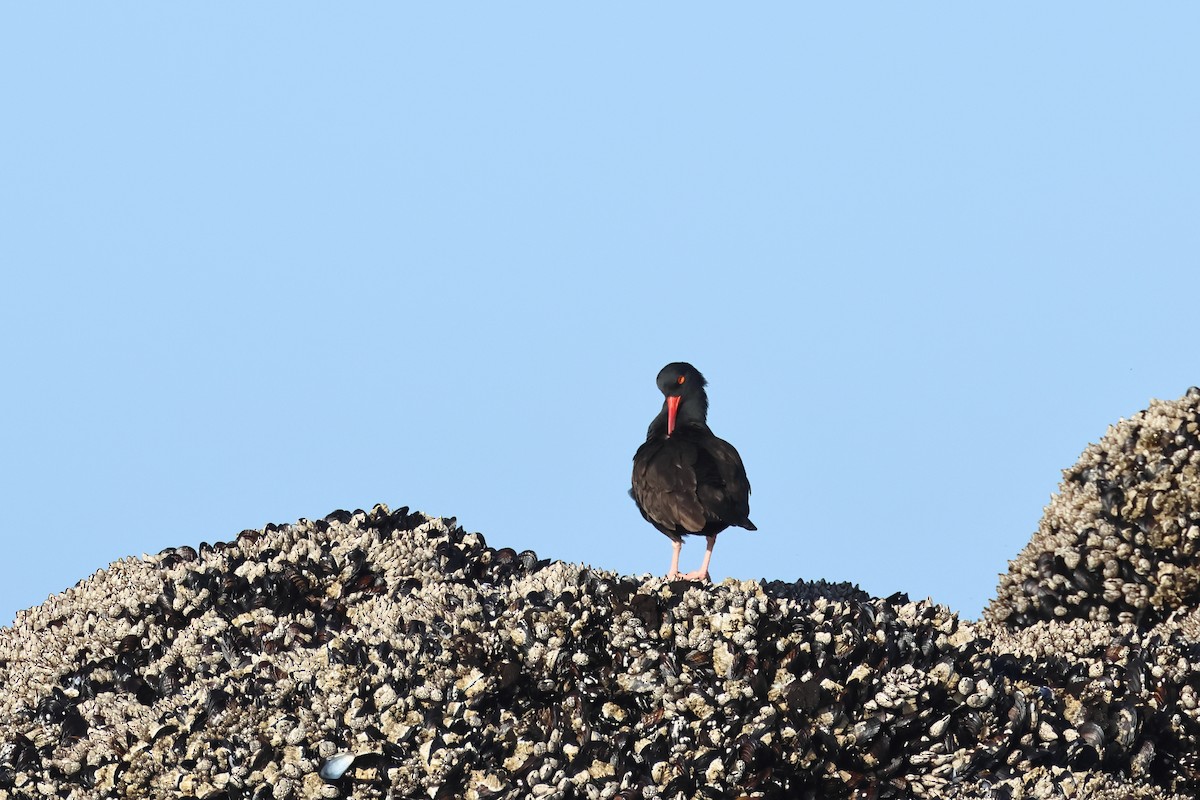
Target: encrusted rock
x=379, y=654
x=1121, y=539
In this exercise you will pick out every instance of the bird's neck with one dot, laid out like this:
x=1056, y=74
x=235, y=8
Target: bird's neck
x=692, y=413
x=693, y=410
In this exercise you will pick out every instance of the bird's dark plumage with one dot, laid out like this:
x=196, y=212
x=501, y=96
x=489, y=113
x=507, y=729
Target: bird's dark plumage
x=685, y=479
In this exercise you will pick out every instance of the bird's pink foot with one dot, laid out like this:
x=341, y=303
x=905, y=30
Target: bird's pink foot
x=698, y=575
x=676, y=546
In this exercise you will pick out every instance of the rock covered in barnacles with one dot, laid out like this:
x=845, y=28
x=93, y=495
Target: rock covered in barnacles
x=375, y=655
x=1121, y=539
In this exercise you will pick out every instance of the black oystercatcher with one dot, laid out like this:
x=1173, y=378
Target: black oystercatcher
x=686, y=481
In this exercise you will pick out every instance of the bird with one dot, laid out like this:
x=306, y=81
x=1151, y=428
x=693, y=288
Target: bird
x=686, y=480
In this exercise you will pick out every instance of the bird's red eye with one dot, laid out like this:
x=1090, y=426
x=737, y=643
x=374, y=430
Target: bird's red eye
x=681, y=380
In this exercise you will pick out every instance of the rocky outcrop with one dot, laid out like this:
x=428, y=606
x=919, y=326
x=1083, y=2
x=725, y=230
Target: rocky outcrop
x=386, y=654
x=1120, y=540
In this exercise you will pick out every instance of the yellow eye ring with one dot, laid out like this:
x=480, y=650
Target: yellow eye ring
x=681, y=380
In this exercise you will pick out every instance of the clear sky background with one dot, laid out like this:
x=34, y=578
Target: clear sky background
x=262, y=261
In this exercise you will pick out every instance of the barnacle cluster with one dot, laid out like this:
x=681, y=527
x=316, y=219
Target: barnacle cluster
x=1121, y=538
x=387, y=654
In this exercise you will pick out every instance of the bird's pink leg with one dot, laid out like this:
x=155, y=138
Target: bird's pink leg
x=676, y=546
x=702, y=573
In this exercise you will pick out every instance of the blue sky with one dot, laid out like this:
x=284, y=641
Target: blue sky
x=264, y=261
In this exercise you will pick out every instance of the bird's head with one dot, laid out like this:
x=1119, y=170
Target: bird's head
x=683, y=386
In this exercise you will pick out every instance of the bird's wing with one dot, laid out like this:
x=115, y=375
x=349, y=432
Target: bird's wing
x=664, y=485
x=721, y=481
